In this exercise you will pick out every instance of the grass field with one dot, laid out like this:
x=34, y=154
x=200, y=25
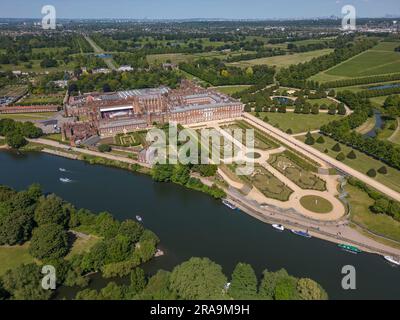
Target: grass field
x=303, y=178
x=362, y=163
x=395, y=138
x=284, y=61
x=14, y=256
x=362, y=215
x=381, y=59
x=316, y=204
x=298, y=122
x=268, y=184
x=40, y=99
x=261, y=141
x=13, y=90
x=28, y=116
x=82, y=245
x=231, y=89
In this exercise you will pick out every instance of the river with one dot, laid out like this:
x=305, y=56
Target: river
x=190, y=223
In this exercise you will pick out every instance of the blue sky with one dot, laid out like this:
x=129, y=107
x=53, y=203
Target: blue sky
x=180, y=9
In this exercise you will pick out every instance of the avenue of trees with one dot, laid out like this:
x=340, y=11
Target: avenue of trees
x=360, y=81
x=342, y=131
x=345, y=48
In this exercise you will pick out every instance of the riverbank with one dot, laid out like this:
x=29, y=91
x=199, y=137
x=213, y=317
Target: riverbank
x=336, y=232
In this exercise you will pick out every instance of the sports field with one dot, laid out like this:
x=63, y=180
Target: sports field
x=284, y=61
x=382, y=59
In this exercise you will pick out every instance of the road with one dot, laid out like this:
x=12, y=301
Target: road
x=319, y=156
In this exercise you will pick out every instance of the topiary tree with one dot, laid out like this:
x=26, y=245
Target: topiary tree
x=289, y=131
x=320, y=140
x=383, y=170
x=266, y=119
x=326, y=151
x=309, y=140
x=49, y=241
x=371, y=173
x=337, y=147
x=352, y=155
x=340, y=157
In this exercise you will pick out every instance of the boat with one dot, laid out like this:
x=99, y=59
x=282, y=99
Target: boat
x=229, y=204
x=62, y=169
x=65, y=180
x=278, y=227
x=349, y=248
x=302, y=233
x=139, y=218
x=393, y=260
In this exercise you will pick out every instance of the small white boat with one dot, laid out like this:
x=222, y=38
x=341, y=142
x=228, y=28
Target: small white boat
x=393, y=260
x=62, y=169
x=278, y=227
x=65, y=180
x=229, y=204
x=139, y=218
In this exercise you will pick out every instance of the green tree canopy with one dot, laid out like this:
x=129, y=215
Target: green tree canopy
x=244, y=283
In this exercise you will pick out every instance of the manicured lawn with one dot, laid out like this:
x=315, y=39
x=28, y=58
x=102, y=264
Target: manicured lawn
x=303, y=178
x=268, y=184
x=231, y=89
x=362, y=163
x=284, y=61
x=381, y=59
x=362, y=215
x=298, y=122
x=395, y=138
x=316, y=204
x=11, y=257
x=28, y=116
x=82, y=245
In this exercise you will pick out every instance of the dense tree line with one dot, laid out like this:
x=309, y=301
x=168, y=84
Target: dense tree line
x=264, y=53
x=214, y=71
x=15, y=132
x=203, y=279
x=359, y=81
x=345, y=48
x=124, y=81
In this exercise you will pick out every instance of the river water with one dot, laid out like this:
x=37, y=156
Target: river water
x=190, y=223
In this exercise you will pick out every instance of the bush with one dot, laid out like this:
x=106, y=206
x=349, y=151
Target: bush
x=320, y=140
x=337, y=147
x=340, y=157
x=104, y=148
x=289, y=131
x=383, y=170
x=352, y=155
x=309, y=140
x=371, y=173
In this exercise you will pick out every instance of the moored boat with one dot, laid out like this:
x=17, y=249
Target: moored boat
x=229, y=204
x=139, y=218
x=349, y=248
x=65, y=180
x=278, y=227
x=393, y=260
x=62, y=169
x=302, y=233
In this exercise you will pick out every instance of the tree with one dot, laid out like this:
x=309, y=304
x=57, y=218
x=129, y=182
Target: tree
x=371, y=173
x=158, y=287
x=198, y=278
x=315, y=109
x=286, y=289
x=340, y=157
x=337, y=147
x=138, y=281
x=383, y=170
x=352, y=155
x=380, y=206
x=132, y=230
x=180, y=174
x=24, y=283
x=15, y=140
x=310, y=290
x=309, y=140
x=320, y=140
x=244, y=283
x=289, y=131
x=52, y=209
x=104, y=148
x=49, y=241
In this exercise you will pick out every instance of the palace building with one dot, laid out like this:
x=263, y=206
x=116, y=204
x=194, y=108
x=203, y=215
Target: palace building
x=127, y=111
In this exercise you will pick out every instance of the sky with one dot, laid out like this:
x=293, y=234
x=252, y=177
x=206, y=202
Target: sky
x=185, y=9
